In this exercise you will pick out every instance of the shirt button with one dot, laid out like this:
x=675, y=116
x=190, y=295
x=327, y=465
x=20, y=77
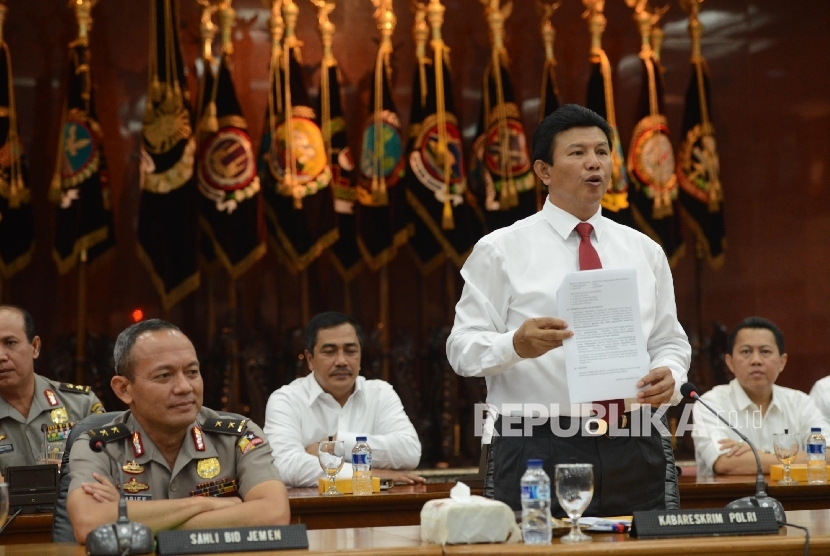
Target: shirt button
x=174, y=486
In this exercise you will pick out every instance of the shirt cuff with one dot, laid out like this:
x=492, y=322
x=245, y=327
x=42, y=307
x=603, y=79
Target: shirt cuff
x=503, y=353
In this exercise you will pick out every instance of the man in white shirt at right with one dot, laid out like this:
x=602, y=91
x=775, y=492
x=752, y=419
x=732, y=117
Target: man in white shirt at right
x=821, y=396
x=334, y=401
x=753, y=403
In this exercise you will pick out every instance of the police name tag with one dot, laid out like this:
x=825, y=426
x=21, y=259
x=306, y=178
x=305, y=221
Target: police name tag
x=703, y=523
x=232, y=539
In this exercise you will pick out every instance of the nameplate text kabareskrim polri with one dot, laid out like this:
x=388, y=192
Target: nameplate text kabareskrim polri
x=703, y=523
x=232, y=539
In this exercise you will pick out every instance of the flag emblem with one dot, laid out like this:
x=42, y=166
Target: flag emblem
x=309, y=154
x=428, y=164
x=227, y=161
x=653, y=160
x=393, y=160
x=511, y=157
x=80, y=149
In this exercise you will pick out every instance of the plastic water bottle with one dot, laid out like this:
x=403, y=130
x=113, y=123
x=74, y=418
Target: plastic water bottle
x=361, y=467
x=536, y=521
x=816, y=458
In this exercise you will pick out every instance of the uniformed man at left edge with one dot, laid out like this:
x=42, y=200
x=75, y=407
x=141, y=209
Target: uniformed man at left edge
x=184, y=466
x=33, y=407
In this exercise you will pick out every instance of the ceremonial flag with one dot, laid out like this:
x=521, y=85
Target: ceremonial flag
x=230, y=201
x=80, y=188
x=167, y=214
x=650, y=162
x=17, y=232
x=383, y=224
x=436, y=183
x=294, y=171
x=600, y=99
x=345, y=253
x=698, y=165
x=501, y=172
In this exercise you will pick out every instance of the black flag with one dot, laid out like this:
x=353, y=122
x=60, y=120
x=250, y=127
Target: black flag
x=436, y=181
x=80, y=188
x=230, y=200
x=17, y=232
x=698, y=166
x=294, y=171
x=167, y=214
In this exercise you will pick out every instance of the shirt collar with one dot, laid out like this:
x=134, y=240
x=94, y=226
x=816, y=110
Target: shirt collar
x=315, y=390
x=742, y=400
x=564, y=222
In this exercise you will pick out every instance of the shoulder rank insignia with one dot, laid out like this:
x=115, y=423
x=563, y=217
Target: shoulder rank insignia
x=77, y=388
x=225, y=426
x=115, y=431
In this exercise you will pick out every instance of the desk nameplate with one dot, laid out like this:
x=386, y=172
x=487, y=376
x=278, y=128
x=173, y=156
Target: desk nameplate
x=703, y=523
x=232, y=539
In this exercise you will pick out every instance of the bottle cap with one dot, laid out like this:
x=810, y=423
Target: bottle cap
x=534, y=463
x=816, y=429
x=361, y=439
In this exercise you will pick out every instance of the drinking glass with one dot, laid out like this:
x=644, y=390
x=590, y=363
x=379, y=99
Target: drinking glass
x=574, y=489
x=4, y=502
x=331, y=453
x=786, y=449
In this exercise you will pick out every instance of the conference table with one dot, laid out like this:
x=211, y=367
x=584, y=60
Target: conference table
x=406, y=540
x=401, y=505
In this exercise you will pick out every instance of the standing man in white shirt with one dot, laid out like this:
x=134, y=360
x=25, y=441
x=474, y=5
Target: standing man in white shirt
x=753, y=403
x=334, y=401
x=507, y=327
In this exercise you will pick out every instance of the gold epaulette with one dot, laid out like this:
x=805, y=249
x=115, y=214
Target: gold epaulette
x=115, y=431
x=77, y=388
x=225, y=426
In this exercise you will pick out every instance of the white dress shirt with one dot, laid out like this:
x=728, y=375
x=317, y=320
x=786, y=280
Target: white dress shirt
x=301, y=413
x=790, y=409
x=821, y=396
x=513, y=274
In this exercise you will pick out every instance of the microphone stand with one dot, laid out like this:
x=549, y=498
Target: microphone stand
x=761, y=498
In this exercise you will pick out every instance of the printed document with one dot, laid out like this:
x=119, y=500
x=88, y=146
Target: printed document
x=607, y=354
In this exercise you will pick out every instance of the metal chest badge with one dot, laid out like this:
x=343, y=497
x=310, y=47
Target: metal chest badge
x=132, y=486
x=133, y=468
x=208, y=468
x=59, y=415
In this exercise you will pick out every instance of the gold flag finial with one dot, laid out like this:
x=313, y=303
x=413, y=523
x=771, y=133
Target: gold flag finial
x=695, y=27
x=420, y=29
x=596, y=23
x=207, y=29
x=546, y=11
x=83, y=13
x=326, y=28
x=496, y=16
x=227, y=19
x=3, y=11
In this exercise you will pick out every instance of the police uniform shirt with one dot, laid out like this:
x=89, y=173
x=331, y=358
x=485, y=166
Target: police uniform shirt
x=218, y=456
x=22, y=439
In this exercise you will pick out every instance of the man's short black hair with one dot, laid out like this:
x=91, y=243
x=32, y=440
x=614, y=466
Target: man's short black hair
x=329, y=319
x=562, y=119
x=28, y=321
x=122, y=355
x=756, y=322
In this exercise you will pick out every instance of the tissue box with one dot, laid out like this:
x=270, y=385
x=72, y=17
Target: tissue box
x=344, y=486
x=798, y=471
x=476, y=520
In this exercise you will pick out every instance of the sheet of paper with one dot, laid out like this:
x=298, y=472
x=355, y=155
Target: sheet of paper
x=607, y=354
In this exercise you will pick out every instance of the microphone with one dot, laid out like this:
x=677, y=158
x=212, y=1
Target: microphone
x=122, y=537
x=761, y=497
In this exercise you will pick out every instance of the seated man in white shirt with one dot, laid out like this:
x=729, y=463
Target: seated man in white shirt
x=753, y=403
x=334, y=401
x=821, y=396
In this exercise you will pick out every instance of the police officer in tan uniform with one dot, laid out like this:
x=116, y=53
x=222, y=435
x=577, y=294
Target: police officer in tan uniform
x=185, y=466
x=33, y=408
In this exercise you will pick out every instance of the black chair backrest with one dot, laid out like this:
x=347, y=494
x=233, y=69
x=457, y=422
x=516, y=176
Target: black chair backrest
x=61, y=527
x=62, y=530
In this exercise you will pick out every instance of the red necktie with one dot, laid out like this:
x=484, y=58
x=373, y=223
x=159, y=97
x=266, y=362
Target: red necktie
x=589, y=260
